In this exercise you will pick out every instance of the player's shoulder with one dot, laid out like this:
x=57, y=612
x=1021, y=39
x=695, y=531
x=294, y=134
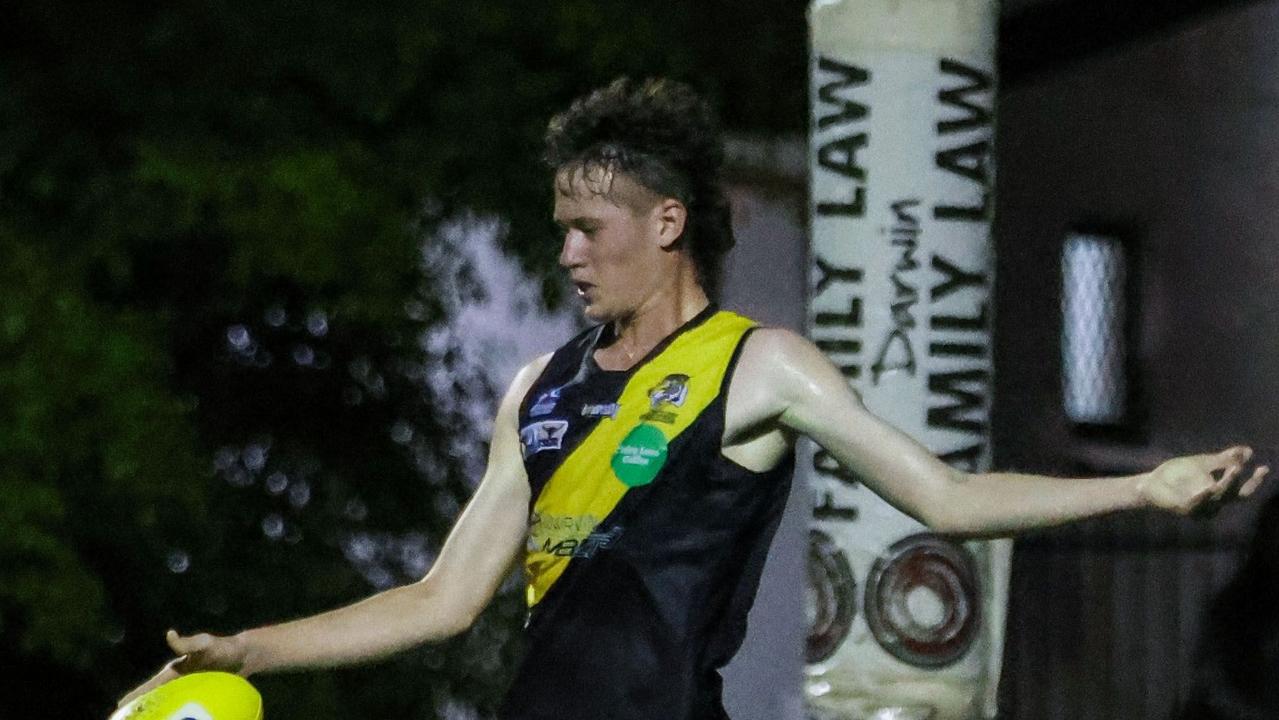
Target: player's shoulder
x=508, y=410
x=529, y=374
x=766, y=351
x=767, y=343
x=781, y=360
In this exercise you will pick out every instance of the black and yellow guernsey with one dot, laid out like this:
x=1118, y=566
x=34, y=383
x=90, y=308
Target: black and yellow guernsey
x=645, y=543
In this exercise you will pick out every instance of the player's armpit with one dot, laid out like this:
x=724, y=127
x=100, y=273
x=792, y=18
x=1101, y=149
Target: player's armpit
x=794, y=384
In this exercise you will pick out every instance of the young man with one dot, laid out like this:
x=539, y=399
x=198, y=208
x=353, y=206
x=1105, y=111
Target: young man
x=641, y=469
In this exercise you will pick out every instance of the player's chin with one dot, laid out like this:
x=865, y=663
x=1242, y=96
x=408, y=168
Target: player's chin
x=596, y=312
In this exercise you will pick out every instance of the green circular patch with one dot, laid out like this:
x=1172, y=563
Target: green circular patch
x=640, y=456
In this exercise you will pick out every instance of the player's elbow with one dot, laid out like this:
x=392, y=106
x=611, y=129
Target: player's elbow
x=942, y=521
x=459, y=621
x=445, y=613
x=469, y=614
x=946, y=510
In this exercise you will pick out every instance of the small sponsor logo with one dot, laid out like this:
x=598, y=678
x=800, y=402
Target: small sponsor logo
x=601, y=410
x=583, y=548
x=668, y=394
x=640, y=456
x=569, y=535
x=545, y=403
x=544, y=435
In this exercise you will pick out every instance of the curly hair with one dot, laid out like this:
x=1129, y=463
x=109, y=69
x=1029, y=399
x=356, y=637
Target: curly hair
x=664, y=136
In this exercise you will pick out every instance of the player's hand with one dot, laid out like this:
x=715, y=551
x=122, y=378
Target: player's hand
x=203, y=652
x=1201, y=482
x=197, y=653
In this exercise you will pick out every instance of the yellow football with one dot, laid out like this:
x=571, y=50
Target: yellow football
x=198, y=696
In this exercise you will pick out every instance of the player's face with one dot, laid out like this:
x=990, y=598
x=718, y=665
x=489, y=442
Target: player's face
x=612, y=245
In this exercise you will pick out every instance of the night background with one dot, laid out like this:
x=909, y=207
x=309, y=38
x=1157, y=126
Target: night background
x=240, y=379
x=226, y=269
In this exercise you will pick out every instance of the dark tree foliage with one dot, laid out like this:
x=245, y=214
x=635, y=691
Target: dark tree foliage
x=212, y=405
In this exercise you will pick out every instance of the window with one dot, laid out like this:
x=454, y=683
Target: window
x=1097, y=312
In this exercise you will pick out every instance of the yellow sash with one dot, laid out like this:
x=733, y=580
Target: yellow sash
x=668, y=393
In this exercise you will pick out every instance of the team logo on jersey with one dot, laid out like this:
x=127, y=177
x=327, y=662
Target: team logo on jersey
x=601, y=410
x=544, y=435
x=669, y=393
x=545, y=403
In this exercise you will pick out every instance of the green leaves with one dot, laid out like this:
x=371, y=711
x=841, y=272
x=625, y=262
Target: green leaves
x=177, y=178
x=86, y=413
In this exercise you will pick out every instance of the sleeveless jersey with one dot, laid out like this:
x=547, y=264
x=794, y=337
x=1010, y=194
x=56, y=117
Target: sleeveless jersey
x=645, y=543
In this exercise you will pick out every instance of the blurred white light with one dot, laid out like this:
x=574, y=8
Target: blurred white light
x=239, y=338
x=178, y=562
x=379, y=577
x=275, y=316
x=455, y=710
x=276, y=482
x=225, y=457
x=496, y=327
x=317, y=323
x=273, y=526
x=1094, y=351
x=415, y=555
x=303, y=355
x=238, y=477
x=402, y=432
x=299, y=494
x=376, y=386
x=360, y=548
x=254, y=457
x=445, y=504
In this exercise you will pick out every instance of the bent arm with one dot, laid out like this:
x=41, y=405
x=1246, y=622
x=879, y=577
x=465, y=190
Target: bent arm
x=811, y=397
x=475, y=559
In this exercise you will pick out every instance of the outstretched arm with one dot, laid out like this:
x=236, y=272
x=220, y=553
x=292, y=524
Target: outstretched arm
x=476, y=557
x=805, y=393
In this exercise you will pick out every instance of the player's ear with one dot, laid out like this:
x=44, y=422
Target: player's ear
x=671, y=216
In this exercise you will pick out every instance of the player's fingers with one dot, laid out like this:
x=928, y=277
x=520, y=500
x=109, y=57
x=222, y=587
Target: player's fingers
x=187, y=645
x=1251, y=484
x=166, y=674
x=1222, y=486
x=1197, y=498
x=1235, y=455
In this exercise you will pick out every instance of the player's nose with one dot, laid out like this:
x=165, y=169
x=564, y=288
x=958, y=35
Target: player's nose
x=571, y=251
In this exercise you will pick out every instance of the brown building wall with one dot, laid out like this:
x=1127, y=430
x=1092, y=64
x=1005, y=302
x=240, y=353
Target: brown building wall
x=765, y=278
x=1175, y=143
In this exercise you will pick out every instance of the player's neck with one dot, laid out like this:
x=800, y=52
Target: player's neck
x=662, y=314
